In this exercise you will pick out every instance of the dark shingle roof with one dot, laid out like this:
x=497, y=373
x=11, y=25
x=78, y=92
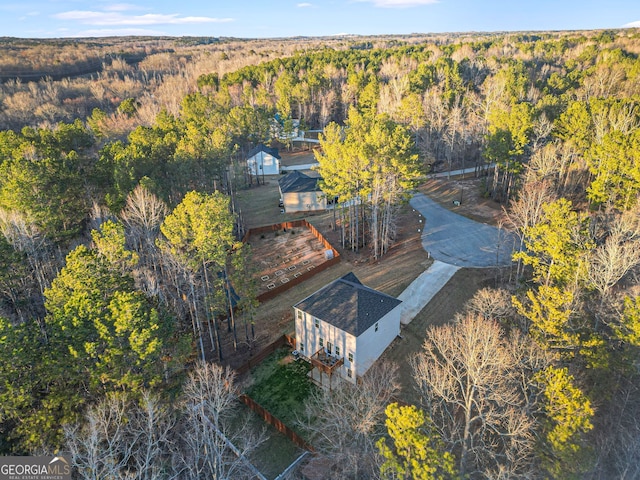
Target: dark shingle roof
x=263, y=148
x=297, y=181
x=349, y=305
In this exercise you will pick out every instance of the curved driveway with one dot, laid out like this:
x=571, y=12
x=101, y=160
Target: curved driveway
x=460, y=241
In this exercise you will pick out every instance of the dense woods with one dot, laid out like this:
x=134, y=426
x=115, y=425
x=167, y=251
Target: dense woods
x=120, y=263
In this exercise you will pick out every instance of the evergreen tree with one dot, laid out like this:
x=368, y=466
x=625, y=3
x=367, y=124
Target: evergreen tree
x=416, y=451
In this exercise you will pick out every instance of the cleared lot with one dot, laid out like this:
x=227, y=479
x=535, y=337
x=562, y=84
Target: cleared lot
x=284, y=255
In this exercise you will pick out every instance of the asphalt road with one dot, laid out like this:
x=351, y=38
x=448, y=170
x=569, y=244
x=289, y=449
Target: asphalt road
x=460, y=241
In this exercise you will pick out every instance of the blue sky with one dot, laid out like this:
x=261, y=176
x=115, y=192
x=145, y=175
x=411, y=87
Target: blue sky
x=284, y=18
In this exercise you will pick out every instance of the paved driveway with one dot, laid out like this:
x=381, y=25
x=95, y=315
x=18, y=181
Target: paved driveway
x=420, y=292
x=460, y=241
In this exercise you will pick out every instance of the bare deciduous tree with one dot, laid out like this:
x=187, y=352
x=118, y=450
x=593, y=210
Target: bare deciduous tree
x=475, y=384
x=491, y=303
x=145, y=439
x=144, y=213
x=611, y=261
x=123, y=439
x=25, y=237
x=544, y=164
x=526, y=211
x=209, y=449
x=344, y=423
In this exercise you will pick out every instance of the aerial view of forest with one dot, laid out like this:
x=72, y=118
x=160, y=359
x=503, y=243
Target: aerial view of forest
x=128, y=298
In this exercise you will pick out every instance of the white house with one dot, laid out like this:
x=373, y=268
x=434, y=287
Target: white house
x=300, y=192
x=263, y=160
x=345, y=326
x=285, y=128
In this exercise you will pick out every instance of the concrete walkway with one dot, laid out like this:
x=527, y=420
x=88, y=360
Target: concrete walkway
x=305, y=166
x=420, y=292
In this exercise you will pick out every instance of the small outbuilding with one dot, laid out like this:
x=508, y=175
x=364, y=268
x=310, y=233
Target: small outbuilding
x=263, y=160
x=344, y=327
x=300, y=192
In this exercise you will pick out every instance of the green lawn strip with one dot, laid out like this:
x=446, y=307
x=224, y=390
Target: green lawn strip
x=281, y=388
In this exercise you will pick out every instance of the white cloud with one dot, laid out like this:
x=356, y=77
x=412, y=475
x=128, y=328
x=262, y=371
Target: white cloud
x=88, y=17
x=632, y=25
x=304, y=5
x=399, y=3
x=122, y=7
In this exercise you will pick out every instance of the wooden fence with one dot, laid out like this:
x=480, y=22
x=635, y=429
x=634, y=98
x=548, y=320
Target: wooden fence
x=268, y=295
x=274, y=228
x=276, y=422
x=293, y=224
x=274, y=292
x=259, y=409
x=265, y=352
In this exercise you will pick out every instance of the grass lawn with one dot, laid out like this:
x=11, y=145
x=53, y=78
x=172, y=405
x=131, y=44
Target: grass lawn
x=259, y=205
x=280, y=384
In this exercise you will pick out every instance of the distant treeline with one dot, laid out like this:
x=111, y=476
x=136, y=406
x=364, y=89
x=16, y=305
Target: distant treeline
x=62, y=71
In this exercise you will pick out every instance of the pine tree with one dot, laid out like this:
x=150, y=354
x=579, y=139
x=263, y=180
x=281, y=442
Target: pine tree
x=416, y=451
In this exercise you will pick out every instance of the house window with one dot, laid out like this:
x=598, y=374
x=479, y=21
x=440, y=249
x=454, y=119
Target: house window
x=337, y=351
x=350, y=357
x=321, y=342
x=302, y=347
x=349, y=374
x=317, y=323
x=299, y=314
x=376, y=326
x=329, y=346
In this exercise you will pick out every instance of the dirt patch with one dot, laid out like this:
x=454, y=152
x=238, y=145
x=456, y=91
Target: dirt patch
x=287, y=359
x=298, y=157
x=464, y=196
x=285, y=255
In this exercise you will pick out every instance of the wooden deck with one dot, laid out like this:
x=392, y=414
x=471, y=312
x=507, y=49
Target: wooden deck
x=324, y=369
